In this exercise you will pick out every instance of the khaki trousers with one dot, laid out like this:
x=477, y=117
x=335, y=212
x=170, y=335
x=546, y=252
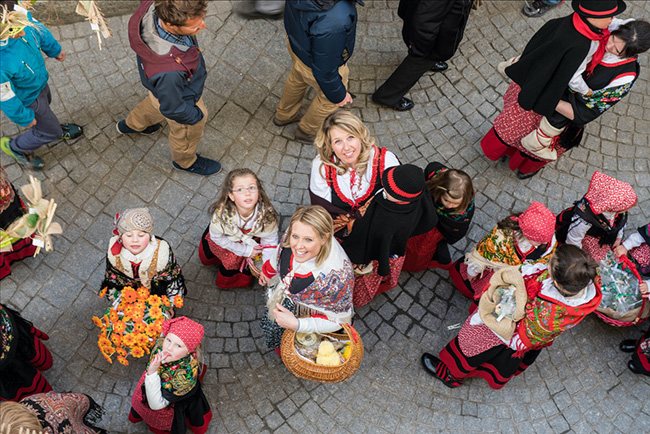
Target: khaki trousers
x=183, y=138
x=299, y=79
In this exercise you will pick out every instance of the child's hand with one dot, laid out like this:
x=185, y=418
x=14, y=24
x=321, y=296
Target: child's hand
x=285, y=318
x=256, y=251
x=155, y=364
x=643, y=287
x=620, y=251
x=263, y=280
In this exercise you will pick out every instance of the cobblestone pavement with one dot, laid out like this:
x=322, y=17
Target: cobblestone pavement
x=580, y=384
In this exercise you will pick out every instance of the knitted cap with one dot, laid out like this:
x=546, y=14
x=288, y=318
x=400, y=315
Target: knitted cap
x=190, y=332
x=133, y=218
x=404, y=183
x=607, y=194
x=598, y=8
x=537, y=223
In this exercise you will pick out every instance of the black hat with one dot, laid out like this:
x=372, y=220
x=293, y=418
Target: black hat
x=405, y=182
x=598, y=8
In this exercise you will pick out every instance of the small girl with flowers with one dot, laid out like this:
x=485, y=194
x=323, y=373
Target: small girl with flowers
x=168, y=396
x=244, y=225
x=143, y=282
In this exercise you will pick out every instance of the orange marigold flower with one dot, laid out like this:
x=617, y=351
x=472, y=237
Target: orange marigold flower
x=155, y=312
x=139, y=305
x=140, y=327
x=108, y=359
x=103, y=341
x=97, y=322
x=108, y=350
x=154, y=300
x=137, y=352
x=143, y=293
x=122, y=360
x=103, y=292
x=137, y=315
x=142, y=339
x=128, y=310
x=178, y=301
x=165, y=301
x=128, y=340
x=119, y=327
x=112, y=315
x=121, y=351
x=152, y=330
x=129, y=295
x=116, y=339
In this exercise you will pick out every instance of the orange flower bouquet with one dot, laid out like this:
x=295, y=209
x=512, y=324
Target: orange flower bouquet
x=132, y=324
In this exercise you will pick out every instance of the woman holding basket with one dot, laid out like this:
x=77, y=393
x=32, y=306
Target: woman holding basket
x=309, y=274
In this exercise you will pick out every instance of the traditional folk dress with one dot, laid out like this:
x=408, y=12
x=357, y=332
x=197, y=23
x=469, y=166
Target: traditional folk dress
x=179, y=385
x=597, y=221
x=611, y=79
x=155, y=268
x=478, y=351
x=431, y=249
x=11, y=209
x=638, y=247
x=500, y=248
x=641, y=356
x=22, y=357
x=309, y=289
x=346, y=196
x=230, y=239
x=64, y=413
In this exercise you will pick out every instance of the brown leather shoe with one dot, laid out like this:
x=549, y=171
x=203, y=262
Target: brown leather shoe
x=302, y=136
x=295, y=118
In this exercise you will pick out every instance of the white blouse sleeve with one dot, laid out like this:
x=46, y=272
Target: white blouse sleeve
x=317, y=325
x=269, y=238
x=577, y=232
x=154, y=394
x=390, y=160
x=318, y=184
x=634, y=240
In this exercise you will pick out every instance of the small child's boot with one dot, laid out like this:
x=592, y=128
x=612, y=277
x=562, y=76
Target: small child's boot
x=540, y=142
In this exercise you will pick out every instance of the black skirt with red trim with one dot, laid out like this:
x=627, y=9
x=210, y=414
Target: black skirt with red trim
x=495, y=365
x=20, y=249
x=20, y=372
x=641, y=357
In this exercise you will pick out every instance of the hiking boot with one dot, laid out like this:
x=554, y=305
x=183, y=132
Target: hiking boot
x=202, y=166
x=537, y=8
x=71, y=131
x=295, y=118
x=26, y=159
x=123, y=128
x=302, y=136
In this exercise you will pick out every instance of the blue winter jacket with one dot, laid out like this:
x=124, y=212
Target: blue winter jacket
x=22, y=71
x=323, y=39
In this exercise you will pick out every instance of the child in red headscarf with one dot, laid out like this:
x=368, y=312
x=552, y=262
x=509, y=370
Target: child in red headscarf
x=168, y=396
x=596, y=222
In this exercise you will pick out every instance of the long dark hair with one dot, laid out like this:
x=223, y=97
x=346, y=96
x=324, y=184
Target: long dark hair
x=572, y=269
x=455, y=183
x=636, y=35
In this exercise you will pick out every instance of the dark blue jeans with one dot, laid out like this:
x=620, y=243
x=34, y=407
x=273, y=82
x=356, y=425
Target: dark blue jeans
x=47, y=128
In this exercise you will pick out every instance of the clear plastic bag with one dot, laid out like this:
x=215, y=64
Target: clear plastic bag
x=620, y=287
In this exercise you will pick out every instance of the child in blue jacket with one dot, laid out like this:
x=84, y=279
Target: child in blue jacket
x=24, y=93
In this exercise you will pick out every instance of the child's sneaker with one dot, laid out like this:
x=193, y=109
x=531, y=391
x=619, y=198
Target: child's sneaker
x=27, y=159
x=71, y=131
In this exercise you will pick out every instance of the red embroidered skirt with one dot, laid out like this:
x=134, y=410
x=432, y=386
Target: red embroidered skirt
x=591, y=247
x=462, y=281
x=510, y=126
x=641, y=255
x=478, y=352
x=369, y=285
x=420, y=250
x=21, y=249
x=228, y=259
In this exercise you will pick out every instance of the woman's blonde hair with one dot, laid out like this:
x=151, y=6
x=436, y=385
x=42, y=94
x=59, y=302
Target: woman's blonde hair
x=346, y=121
x=320, y=221
x=14, y=416
x=455, y=183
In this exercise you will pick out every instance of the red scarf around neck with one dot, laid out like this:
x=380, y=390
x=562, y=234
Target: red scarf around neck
x=583, y=28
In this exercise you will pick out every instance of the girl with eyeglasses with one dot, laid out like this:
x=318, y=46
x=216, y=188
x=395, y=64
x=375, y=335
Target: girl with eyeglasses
x=244, y=225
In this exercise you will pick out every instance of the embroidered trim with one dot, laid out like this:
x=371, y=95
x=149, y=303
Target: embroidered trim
x=377, y=169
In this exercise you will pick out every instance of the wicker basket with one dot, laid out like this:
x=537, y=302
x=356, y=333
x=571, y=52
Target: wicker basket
x=302, y=368
x=632, y=317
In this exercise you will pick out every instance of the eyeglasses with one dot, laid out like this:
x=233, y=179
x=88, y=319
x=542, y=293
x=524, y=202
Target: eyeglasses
x=243, y=190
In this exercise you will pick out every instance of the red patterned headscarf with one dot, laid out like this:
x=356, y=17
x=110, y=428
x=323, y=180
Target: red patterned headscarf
x=190, y=332
x=537, y=223
x=607, y=194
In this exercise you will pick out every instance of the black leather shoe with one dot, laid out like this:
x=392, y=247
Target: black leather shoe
x=632, y=367
x=440, y=66
x=627, y=346
x=526, y=175
x=402, y=105
x=430, y=364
